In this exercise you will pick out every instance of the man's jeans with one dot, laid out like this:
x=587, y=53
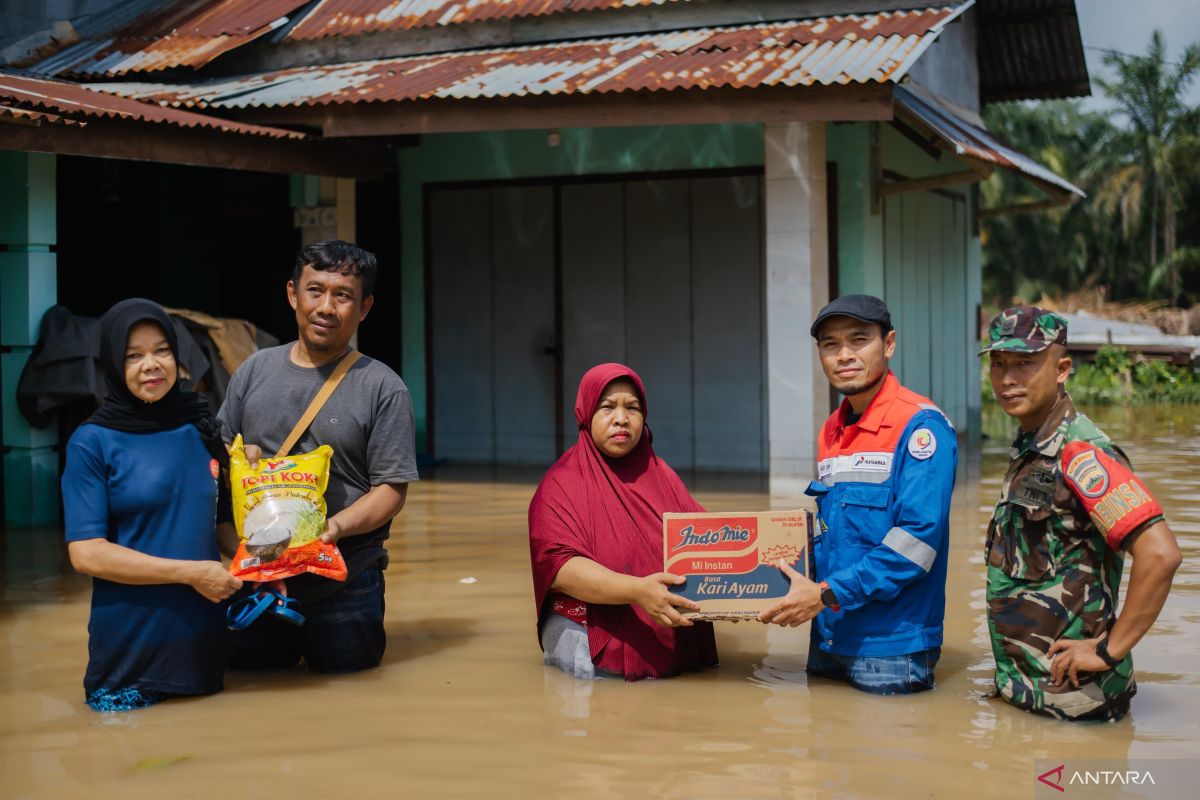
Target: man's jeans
x=902, y=674
x=341, y=633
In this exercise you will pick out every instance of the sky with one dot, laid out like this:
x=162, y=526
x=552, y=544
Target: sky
x=1126, y=25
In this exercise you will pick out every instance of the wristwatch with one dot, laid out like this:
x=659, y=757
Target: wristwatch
x=1102, y=651
x=828, y=597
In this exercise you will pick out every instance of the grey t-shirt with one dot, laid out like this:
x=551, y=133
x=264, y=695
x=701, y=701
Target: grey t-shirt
x=368, y=421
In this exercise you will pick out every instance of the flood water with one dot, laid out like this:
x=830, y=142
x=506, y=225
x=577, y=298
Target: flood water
x=463, y=707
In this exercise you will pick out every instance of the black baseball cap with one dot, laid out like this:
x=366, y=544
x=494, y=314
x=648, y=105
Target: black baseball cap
x=860, y=306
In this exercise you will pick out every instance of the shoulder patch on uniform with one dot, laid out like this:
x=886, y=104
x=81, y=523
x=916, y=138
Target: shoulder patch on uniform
x=1087, y=473
x=1117, y=502
x=922, y=444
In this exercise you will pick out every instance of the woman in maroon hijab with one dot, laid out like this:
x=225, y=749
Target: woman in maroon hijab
x=595, y=538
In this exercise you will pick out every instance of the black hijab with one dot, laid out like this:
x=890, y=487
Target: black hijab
x=121, y=410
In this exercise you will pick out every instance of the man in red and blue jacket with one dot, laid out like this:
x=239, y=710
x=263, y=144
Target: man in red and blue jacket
x=885, y=474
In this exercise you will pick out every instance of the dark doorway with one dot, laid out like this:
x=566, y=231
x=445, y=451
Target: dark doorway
x=377, y=220
x=211, y=240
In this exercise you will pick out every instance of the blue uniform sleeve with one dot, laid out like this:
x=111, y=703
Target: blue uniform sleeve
x=926, y=457
x=85, y=489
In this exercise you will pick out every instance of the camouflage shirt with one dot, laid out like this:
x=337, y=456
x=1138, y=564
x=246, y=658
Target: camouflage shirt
x=1068, y=505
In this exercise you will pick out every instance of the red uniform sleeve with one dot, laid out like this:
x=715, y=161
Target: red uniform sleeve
x=1115, y=499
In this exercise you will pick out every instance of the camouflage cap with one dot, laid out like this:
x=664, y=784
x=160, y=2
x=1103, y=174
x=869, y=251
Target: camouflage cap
x=1025, y=329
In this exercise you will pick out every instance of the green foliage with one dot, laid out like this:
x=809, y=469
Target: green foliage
x=1140, y=167
x=1112, y=363
x=1158, y=382
x=1118, y=377
x=1107, y=380
x=1026, y=254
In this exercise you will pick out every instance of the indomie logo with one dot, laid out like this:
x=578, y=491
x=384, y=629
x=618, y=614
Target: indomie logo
x=725, y=534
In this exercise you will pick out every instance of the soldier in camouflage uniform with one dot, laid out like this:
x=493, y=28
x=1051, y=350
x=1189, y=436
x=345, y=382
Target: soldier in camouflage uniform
x=1069, y=510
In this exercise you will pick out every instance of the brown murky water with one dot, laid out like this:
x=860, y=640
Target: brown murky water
x=463, y=707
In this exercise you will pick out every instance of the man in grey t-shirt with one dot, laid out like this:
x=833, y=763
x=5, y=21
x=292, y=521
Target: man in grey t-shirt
x=368, y=421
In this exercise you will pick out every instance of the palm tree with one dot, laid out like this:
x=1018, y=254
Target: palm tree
x=1062, y=249
x=1148, y=163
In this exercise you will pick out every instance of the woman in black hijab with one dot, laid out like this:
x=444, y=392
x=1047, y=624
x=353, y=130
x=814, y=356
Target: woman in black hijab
x=141, y=492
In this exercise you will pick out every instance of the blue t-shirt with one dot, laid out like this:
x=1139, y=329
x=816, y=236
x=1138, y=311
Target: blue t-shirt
x=155, y=493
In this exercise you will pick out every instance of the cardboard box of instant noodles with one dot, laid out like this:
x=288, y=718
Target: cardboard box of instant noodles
x=729, y=559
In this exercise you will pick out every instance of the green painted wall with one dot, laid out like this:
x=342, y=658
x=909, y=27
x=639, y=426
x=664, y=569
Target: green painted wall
x=921, y=255
x=948, y=260
x=28, y=287
x=928, y=281
x=860, y=233
x=528, y=154
x=975, y=294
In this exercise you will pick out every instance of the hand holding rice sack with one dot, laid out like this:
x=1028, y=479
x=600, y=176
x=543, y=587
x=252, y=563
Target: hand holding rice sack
x=362, y=409
x=279, y=510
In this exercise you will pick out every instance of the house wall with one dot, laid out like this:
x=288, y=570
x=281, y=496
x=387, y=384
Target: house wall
x=28, y=287
x=496, y=156
x=533, y=283
x=920, y=252
x=950, y=68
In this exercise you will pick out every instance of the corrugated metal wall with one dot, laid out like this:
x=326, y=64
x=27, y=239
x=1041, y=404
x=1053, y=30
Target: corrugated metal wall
x=664, y=274
x=926, y=289
x=922, y=257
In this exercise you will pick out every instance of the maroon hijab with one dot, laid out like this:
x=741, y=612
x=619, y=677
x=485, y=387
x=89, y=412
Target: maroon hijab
x=610, y=510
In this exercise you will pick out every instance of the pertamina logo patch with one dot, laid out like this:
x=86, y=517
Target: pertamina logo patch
x=214, y=467
x=872, y=462
x=1087, y=473
x=922, y=444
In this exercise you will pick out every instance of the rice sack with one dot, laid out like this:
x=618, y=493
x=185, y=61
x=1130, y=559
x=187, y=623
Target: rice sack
x=279, y=510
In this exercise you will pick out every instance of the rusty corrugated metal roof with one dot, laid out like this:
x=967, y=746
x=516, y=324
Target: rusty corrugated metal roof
x=832, y=50
x=116, y=57
x=72, y=100
x=184, y=33
x=971, y=141
x=354, y=17
x=24, y=115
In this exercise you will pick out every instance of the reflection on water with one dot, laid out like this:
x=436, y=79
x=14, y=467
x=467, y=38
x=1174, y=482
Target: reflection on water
x=463, y=706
